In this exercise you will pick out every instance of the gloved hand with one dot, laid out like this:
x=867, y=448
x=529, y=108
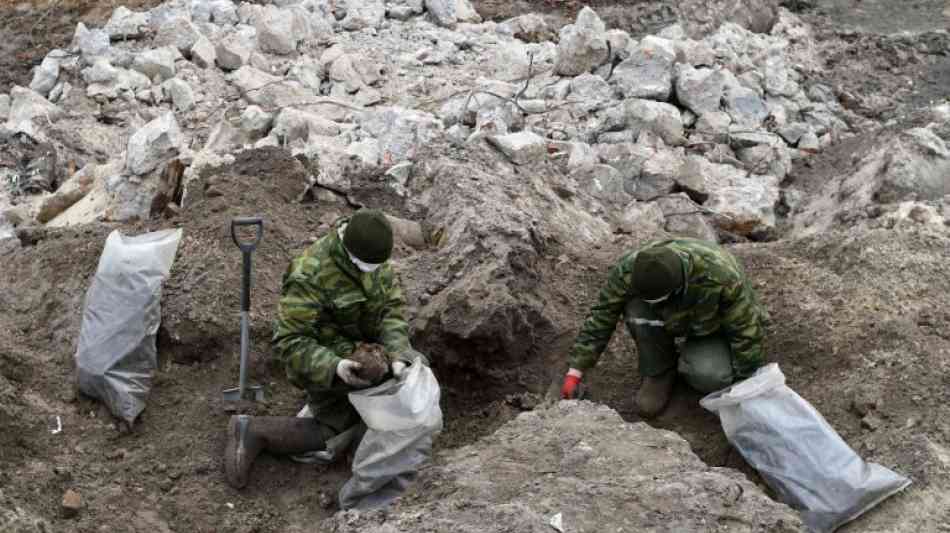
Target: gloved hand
x=399, y=368
x=347, y=369
x=571, y=380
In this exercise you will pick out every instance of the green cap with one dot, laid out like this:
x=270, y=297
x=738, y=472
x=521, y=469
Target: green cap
x=368, y=236
x=657, y=272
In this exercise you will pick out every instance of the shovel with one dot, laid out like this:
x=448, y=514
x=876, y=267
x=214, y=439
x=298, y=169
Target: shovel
x=244, y=391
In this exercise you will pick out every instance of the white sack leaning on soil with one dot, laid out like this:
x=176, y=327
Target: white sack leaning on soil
x=116, y=355
x=798, y=453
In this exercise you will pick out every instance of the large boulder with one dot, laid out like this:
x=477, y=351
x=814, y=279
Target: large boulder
x=648, y=72
x=582, y=45
x=448, y=13
x=275, y=30
x=401, y=132
x=156, y=142
x=576, y=466
x=659, y=118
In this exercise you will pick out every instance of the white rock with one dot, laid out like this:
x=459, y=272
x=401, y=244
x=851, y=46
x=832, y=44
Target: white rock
x=620, y=44
x=695, y=53
x=648, y=72
x=400, y=12
x=582, y=45
x=126, y=24
x=581, y=155
x=256, y=121
x=522, y=147
x=92, y=44
x=683, y=216
x=346, y=69
x=292, y=124
x=714, y=125
x=659, y=173
x=509, y=61
x=203, y=53
x=662, y=119
x=592, y=91
x=270, y=92
x=102, y=79
x=158, y=63
x=275, y=31
x=362, y=14
x=615, y=137
x=308, y=72
x=366, y=151
x=603, y=182
x=47, y=73
x=745, y=107
x=401, y=132
x=234, y=50
x=155, y=143
x=642, y=216
x=222, y=12
x=25, y=105
x=448, y=13
x=700, y=90
x=101, y=71
x=183, y=98
x=225, y=137
x=178, y=32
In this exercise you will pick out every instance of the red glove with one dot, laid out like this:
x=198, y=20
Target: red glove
x=569, y=389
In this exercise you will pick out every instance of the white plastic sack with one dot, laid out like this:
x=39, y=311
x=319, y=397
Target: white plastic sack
x=798, y=453
x=402, y=417
x=116, y=354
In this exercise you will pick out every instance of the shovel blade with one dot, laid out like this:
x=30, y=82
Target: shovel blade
x=254, y=393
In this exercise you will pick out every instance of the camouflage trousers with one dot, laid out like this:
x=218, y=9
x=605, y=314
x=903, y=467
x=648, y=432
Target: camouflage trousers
x=704, y=362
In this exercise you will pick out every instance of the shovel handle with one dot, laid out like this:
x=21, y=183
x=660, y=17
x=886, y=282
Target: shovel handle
x=247, y=221
x=246, y=249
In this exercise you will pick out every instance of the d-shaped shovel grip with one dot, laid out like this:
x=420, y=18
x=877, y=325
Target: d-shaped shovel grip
x=246, y=249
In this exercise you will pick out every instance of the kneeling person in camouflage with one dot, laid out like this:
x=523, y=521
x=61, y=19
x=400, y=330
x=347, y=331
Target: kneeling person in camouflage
x=682, y=288
x=340, y=291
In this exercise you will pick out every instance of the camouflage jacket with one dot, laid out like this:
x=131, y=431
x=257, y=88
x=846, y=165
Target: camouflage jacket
x=327, y=304
x=717, y=298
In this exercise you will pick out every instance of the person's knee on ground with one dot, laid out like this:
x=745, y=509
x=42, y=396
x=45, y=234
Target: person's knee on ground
x=706, y=364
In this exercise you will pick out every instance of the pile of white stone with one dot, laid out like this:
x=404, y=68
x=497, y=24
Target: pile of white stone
x=647, y=127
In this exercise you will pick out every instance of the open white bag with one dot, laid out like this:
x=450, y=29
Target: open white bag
x=798, y=453
x=402, y=418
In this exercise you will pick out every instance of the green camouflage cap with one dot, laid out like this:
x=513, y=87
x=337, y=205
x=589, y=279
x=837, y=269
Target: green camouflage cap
x=657, y=272
x=368, y=236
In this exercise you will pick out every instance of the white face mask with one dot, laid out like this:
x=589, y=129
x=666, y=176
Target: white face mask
x=657, y=300
x=362, y=265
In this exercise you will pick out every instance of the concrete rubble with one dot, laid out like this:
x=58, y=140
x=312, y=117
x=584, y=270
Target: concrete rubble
x=344, y=81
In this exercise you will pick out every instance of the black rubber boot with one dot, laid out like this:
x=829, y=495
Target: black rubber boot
x=654, y=394
x=248, y=436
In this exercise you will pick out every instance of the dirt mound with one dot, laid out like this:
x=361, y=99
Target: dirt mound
x=532, y=472
x=202, y=298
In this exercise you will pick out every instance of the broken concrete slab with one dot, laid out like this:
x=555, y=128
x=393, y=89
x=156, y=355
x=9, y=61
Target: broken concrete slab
x=203, y=53
x=234, y=50
x=401, y=132
x=448, y=13
x=47, y=73
x=700, y=89
x=25, y=105
x=522, y=147
x=183, y=98
x=361, y=14
x=648, y=72
x=275, y=30
x=292, y=124
x=155, y=143
x=158, y=63
x=178, y=32
x=582, y=45
x=657, y=117
x=127, y=24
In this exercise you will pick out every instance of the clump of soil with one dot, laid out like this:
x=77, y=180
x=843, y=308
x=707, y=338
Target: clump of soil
x=373, y=358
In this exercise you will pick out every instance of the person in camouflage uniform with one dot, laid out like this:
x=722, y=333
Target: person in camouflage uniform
x=680, y=288
x=341, y=290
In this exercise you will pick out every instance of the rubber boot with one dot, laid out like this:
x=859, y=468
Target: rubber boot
x=654, y=393
x=248, y=436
